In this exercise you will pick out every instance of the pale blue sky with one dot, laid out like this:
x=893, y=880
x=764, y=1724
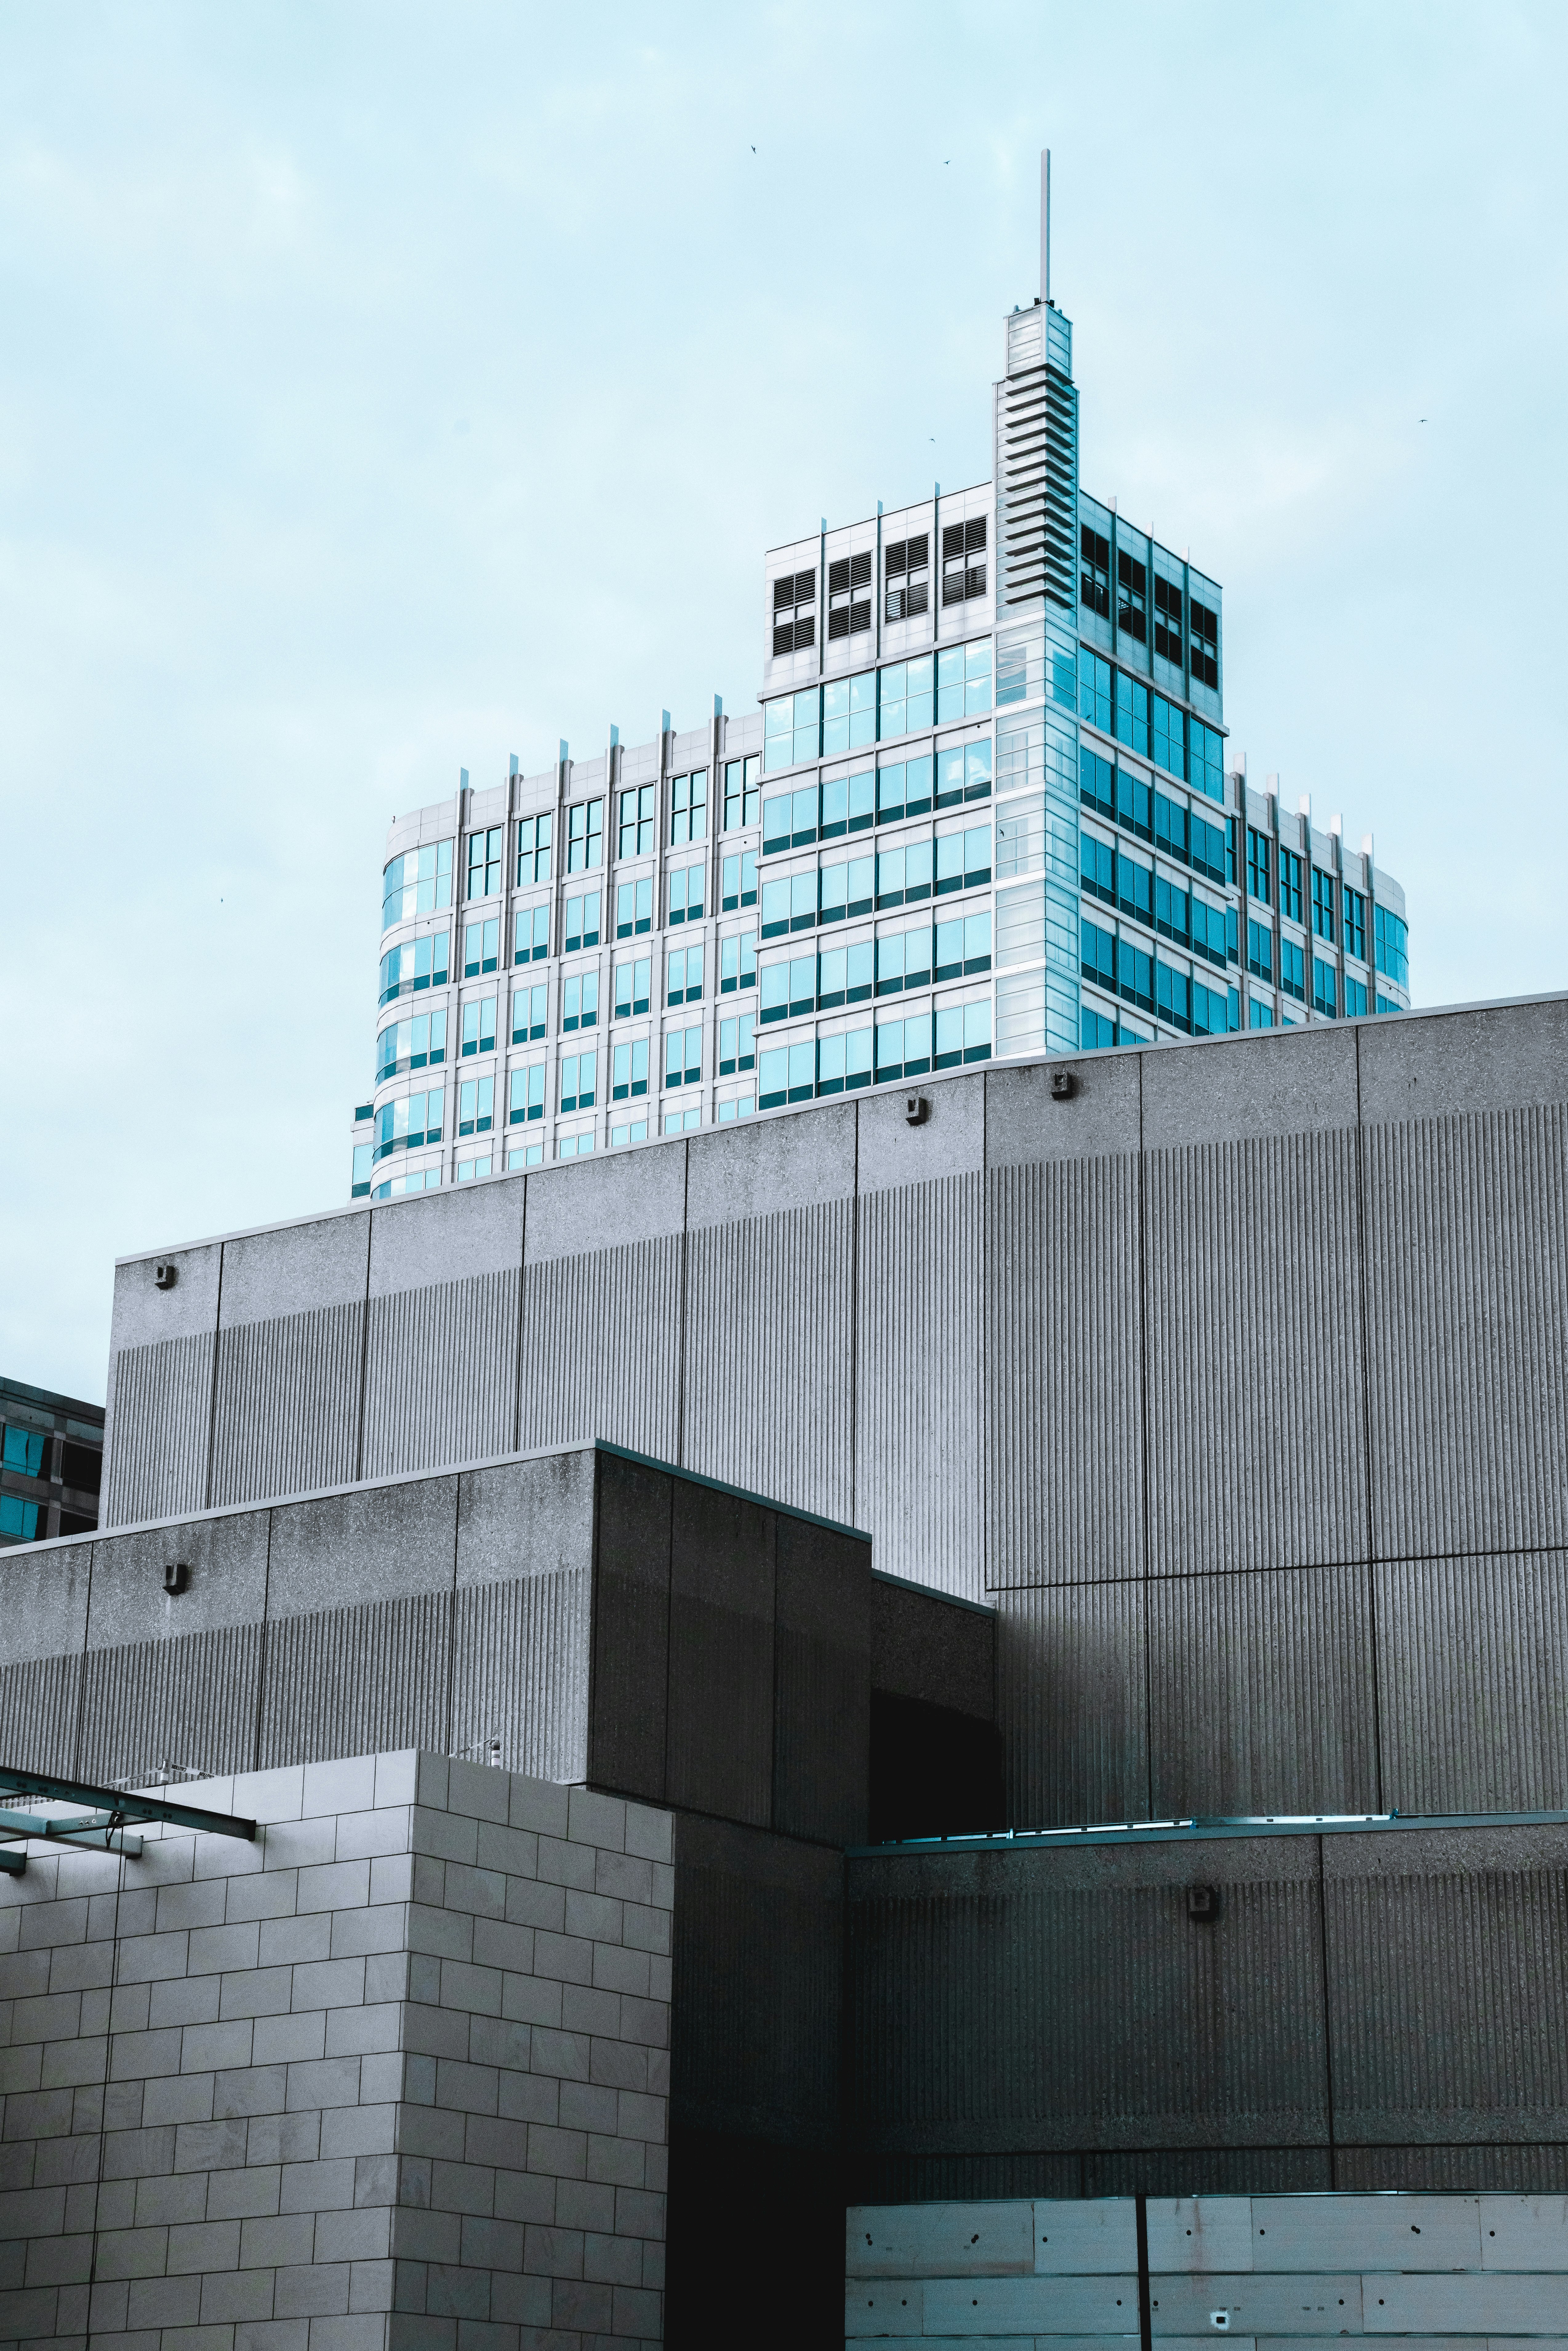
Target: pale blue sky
x=385, y=389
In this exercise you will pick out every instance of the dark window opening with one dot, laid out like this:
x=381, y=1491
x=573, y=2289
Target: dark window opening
x=1131, y=595
x=849, y=595
x=1094, y=591
x=1168, y=620
x=1204, y=644
x=907, y=577
x=795, y=611
x=963, y=560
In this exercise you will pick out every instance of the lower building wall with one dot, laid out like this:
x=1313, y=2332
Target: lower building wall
x=396, y=2070
x=1466, y=2269
x=1384, y=2009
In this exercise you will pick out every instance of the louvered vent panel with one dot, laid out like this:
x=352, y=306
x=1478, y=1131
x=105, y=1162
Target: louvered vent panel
x=1037, y=489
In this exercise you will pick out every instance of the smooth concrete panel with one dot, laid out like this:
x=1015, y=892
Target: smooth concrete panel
x=1499, y=1057
x=225, y=1558
x=44, y=1592
x=1072, y=1703
x=294, y=1270
x=923, y=1646
x=920, y=1375
x=1446, y=1959
x=629, y=1694
x=1285, y=1082
x=1473, y=1683
x=378, y=1543
x=525, y=1518
x=585, y=1205
x=823, y=1693
x=951, y=1141
x=1260, y=1692
x=761, y=1916
x=719, y=1740
x=445, y=1235
x=757, y=1170
x=1467, y=1307
x=144, y=1314
x=1256, y=1380
x=1102, y=1116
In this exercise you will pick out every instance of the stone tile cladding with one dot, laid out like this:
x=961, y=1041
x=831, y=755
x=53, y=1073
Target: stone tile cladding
x=395, y=2075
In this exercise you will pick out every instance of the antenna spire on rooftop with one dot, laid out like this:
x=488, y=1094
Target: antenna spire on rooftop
x=1045, y=223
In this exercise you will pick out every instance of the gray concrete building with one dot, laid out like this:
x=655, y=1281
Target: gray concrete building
x=1202, y=1406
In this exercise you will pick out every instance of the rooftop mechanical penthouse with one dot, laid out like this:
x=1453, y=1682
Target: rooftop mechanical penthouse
x=988, y=809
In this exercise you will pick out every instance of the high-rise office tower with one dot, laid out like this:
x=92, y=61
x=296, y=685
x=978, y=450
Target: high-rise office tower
x=986, y=808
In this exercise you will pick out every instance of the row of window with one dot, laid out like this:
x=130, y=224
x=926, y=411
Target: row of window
x=1123, y=967
x=893, y=961
x=1118, y=878
x=423, y=963
x=1132, y=606
x=955, y=774
x=1270, y=866
x=940, y=1035
x=1159, y=730
x=1121, y=797
x=833, y=891
x=846, y=714
x=419, y=882
x=906, y=576
x=468, y=1167
x=420, y=1041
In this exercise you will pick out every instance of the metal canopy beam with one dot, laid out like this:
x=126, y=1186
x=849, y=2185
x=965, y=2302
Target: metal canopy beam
x=94, y=1829
x=113, y=1807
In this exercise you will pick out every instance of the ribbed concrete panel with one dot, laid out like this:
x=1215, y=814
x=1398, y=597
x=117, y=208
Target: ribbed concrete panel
x=919, y=1372
x=288, y=1405
x=1468, y=1330
x=1093, y=2013
x=1064, y=1431
x=161, y=1415
x=1447, y=1966
x=1257, y=1451
x=190, y=1702
x=1210, y=2171
x=39, y=1704
x=1071, y=1703
x=520, y=1673
x=763, y=1918
x=1454, y=2171
x=348, y=1681
x=769, y=1356
x=1473, y=1673
x=963, y=2178
x=441, y=1376
x=601, y=1348
x=1260, y=1692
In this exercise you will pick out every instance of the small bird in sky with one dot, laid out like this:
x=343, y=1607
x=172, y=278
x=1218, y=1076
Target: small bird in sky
x=753, y=150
